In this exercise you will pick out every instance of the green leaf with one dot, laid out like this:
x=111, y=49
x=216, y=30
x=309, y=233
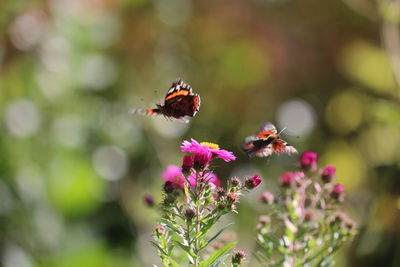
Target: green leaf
x=173, y=263
x=186, y=249
x=218, y=254
x=215, y=236
x=159, y=248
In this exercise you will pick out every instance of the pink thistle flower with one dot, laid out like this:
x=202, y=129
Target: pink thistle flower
x=197, y=148
x=253, y=181
x=208, y=177
x=288, y=179
x=174, y=175
x=328, y=174
x=338, y=192
x=308, y=160
x=267, y=197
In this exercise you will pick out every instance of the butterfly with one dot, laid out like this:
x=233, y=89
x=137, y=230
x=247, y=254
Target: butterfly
x=179, y=103
x=267, y=142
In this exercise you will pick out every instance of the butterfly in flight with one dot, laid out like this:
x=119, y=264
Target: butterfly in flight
x=179, y=103
x=267, y=142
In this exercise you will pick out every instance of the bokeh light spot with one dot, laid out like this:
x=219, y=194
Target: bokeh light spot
x=22, y=118
x=74, y=187
x=344, y=112
x=350, y=166
x=297, y=116
x=366, y=63
x=110, y=162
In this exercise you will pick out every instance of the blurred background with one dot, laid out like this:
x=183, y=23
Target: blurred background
x=74, y=165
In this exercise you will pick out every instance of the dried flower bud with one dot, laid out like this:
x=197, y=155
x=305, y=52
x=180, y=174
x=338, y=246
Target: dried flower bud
x=148, y=200
x=221, y=206
x=220, y=191
x=238, y=257
x=308, y=160
x=253, y=181
x=267, y=197
x=160, y=230
x=235, y=182
x=309, y=216
x=169, y=199
x=170, y=187
x=189, y=214
x=328, y=174
x=232, y=197
x=187, y=163
x=264, y=219
x=337, y=192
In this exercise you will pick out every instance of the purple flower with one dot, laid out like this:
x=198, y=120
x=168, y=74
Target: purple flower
x=206, y=148
x=338, y=192
x=174, y=175
x=253, y=181
x=288, y=179
x=328, y=174
x=148, y=200
x=308, y=160
x=208, y=177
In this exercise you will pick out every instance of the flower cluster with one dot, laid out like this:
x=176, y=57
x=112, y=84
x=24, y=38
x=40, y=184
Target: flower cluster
x=308, y=209
x=194, y=201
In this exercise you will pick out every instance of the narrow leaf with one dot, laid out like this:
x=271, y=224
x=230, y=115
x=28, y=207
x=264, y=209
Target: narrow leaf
x=219, y=253
x=216, y=235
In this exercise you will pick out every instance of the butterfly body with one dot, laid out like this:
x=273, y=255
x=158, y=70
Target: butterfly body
x=179, y=103
x=266, y=142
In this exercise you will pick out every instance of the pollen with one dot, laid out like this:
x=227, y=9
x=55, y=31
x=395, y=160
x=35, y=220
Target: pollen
x=210, y=145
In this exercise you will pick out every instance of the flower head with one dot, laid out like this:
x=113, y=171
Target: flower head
x=174, y=175
x=328, y=174
x=308, y=160
x=338, y=192
x=207, y=148
x=288, y=179
x=267, y=197
x=253, y=181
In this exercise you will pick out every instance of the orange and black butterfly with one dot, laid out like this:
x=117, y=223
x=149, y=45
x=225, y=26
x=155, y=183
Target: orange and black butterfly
x=179, y=103
x=266, y=142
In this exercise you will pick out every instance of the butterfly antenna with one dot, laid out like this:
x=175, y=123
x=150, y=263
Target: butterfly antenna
x=139, y=111
x=282, y=130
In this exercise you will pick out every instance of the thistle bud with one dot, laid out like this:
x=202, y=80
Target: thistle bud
x=337, y=192
x=238, y=257
x=328, y=174
x=253, y=181
x=308, y=160
x=235, y=182
x=189, y=214
x=267, y=197
x=148, y=200
x=187, y=163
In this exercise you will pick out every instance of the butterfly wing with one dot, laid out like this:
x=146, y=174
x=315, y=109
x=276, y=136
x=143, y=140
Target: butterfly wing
x=281, y=146
x=182, y=106
x=254, y=146
x=178, y=88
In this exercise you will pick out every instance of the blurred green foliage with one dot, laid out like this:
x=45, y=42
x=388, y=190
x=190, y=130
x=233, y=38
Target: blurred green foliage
x=74, y=164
